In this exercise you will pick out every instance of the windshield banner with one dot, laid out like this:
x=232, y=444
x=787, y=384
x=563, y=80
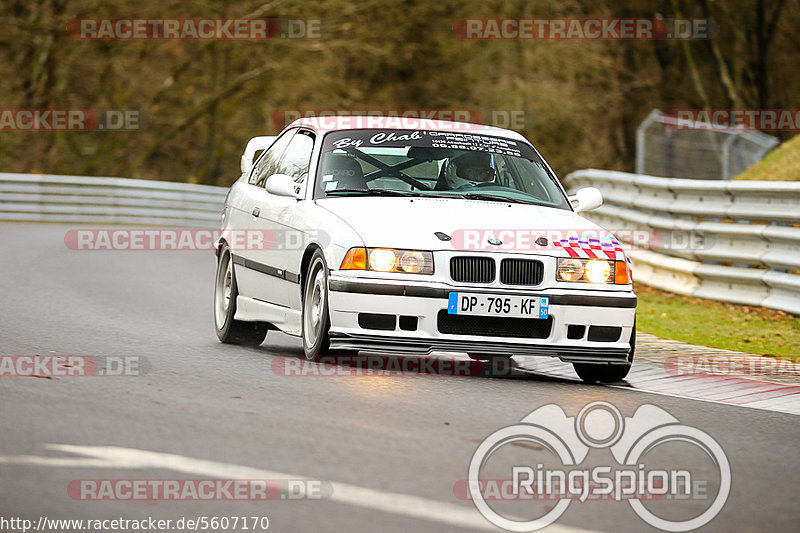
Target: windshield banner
x=442, y=140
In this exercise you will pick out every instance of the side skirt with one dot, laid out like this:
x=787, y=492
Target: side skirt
x=252, y=310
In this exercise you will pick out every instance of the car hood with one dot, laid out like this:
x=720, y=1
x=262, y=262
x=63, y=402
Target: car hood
x=411, y=223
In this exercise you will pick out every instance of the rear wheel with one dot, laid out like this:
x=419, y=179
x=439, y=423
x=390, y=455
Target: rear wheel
x=232, y=331
x=606, y=372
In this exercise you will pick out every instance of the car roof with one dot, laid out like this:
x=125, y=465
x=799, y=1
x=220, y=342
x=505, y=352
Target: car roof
x=325, y=124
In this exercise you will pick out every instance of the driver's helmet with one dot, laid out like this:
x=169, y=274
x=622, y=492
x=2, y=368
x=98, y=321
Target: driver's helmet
x=470, y=168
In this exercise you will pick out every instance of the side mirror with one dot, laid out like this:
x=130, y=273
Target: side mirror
x=586, y=199
x=254, y=147
x=281, y=185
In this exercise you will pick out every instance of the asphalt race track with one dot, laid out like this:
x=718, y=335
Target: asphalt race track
x=387, y=449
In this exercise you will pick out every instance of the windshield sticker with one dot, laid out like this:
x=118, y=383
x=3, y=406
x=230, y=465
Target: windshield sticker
x=358, y=139
x=468, y=141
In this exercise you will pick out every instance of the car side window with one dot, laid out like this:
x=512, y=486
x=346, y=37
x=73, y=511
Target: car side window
x=296, y=159
x=268, y=163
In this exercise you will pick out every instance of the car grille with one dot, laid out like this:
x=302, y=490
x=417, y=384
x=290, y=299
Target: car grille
x=494, y=326
x=472, y=269
x=521, y=272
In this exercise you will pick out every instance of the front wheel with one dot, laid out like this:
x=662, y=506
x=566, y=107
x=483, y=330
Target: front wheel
x=601, y=372
x=316, y=321
x=606, y=372
x=232, y=331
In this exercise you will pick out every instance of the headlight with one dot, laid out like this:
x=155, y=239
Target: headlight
x=592, y=271
x=570, y=269
x=412, y=262
x=388, y=260
x=382, y=260
x=597, y=271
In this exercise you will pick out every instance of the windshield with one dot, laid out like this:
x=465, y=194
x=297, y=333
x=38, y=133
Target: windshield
x=434, y=163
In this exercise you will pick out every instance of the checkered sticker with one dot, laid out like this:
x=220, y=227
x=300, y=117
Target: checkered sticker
x=593, y=248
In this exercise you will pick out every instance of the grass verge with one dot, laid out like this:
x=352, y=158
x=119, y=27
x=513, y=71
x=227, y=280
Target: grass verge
x=754, y=330
x=782, y=164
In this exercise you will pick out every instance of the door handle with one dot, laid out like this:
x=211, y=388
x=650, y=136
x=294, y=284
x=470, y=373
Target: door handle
x=256, y=211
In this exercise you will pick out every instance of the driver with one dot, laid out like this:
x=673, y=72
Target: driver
x=471, y=168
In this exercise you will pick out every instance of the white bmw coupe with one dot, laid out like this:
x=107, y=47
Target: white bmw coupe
x=412, y=237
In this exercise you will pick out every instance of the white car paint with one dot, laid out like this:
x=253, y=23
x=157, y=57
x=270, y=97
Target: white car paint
x=335, y=225
x=377, y=219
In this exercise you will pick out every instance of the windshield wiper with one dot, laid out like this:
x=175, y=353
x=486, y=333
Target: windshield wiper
x=370, y=192
x=422, y=194
x=497, y=198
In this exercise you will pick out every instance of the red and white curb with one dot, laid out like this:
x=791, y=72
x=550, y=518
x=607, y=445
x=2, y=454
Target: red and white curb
x=661, y=367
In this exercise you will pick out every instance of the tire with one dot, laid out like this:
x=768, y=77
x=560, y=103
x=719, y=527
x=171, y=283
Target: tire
x=607, y=372
x=315, y=317
x=232, y=331
x=488, y=356
x=494, y=366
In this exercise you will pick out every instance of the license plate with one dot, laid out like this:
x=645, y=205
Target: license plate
x=467, y=303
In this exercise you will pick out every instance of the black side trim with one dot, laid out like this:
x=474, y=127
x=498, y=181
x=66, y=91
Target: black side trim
x=272, y=303
x=365, y=287
x=626, y=302
x=588, y=300
x=266, y=269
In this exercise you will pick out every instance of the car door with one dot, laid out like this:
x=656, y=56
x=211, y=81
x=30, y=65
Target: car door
x=250, y=238
x=276, y=220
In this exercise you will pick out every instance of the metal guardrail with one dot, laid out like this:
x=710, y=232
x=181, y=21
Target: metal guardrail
x=79, y=199
x=736, y=242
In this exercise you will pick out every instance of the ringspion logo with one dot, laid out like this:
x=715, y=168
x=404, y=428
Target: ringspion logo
x=555, y=468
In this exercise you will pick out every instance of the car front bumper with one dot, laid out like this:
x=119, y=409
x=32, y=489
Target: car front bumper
x=349, y=296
